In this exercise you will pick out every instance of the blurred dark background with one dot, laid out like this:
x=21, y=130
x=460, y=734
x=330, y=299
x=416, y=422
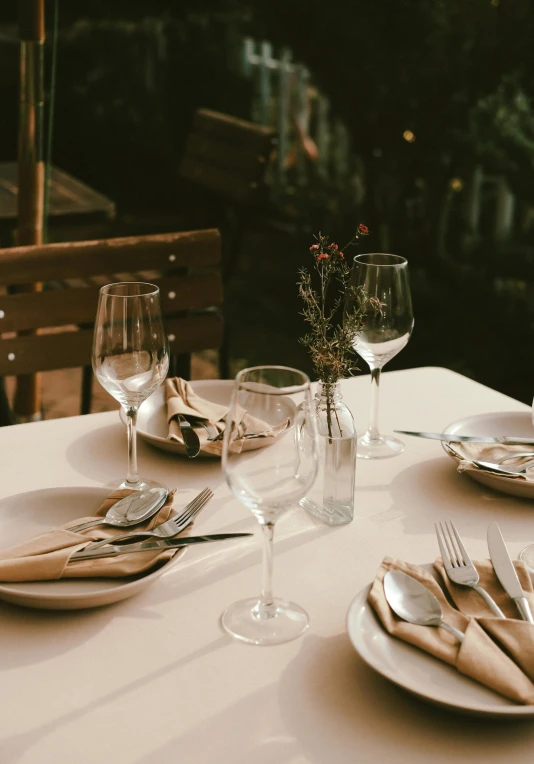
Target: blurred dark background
x=415, y=117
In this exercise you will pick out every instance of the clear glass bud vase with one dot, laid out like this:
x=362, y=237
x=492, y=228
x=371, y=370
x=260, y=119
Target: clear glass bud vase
x=332, y=496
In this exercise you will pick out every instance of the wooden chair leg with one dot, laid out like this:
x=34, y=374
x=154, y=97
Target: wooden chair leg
x=232, y=251
x=181, y=366
x=6, y=415
x=87, y=390
x=224, y=358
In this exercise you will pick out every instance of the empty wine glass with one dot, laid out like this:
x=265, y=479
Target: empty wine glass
x=268, y=481
x=385, y=332
x=130, y=355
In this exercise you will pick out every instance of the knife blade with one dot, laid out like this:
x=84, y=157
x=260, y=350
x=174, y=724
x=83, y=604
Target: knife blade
x=507, y=440
x=150, y=546
x=506, y=573
x=191, y=439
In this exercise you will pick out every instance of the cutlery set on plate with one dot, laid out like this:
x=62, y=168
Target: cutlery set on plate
x=496, y=467
x=161, y=537
x=413, y=602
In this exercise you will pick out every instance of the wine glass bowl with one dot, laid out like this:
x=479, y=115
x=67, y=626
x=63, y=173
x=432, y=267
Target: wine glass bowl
x=130, y=355
x=385, y=333
x=269, y=481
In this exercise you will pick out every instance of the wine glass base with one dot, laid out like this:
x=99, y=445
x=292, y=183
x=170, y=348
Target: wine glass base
x=141, y=485
x=243, y=621
x=527, y=556
x=383, y=447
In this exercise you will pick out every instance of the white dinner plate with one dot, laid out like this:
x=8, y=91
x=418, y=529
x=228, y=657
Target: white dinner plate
x=28, y=514
x=517, y=423
x=419, y=673
x=152, y=417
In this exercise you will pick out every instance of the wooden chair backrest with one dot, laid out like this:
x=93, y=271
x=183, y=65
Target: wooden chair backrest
x=228, y=156
x=184, y=265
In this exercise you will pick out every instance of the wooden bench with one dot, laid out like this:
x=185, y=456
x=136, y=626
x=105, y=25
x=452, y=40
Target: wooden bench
x=53, y=329
x=70, y=200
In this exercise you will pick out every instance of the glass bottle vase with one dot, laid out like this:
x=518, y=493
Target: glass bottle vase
x=331, y=497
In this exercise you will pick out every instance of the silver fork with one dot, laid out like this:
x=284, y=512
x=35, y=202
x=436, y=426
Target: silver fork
x=458, y=564
x=166, y=530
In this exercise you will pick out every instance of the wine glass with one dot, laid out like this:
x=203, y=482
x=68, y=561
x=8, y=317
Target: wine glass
x=130, y=356
x=268, y=481
x=384, y=334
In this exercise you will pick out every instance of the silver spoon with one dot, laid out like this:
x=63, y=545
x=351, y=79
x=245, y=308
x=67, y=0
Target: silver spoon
x=522, y=455
x=414, y=603
x=130, y=510
x=495, y=469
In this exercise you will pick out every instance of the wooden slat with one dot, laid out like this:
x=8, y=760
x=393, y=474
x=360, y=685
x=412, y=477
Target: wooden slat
x=48, y=352
x=240, y=133
x=80, y=259
x=68, y=195
x=245, y=164
x=196, y=332
x=221, y=181
x=59, y=307
x=228, y=156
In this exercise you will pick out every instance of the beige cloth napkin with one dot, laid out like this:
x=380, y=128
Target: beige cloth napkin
x=182, y=399
x=46, y=557
x=466, y=452
x=514, y=635
x=478, y=656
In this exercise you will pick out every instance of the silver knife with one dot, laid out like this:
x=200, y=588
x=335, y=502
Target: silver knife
x=507, y=440
x=191, y=439
x=150, y=546
x=506, y=573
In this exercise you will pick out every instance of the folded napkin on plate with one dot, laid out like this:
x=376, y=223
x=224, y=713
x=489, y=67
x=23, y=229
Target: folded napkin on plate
x=478, y=656
x=513, y=634
x=46, y=557
x=466, y=452
x=182, y=399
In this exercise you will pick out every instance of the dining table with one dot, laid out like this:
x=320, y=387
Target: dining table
x=154, y=678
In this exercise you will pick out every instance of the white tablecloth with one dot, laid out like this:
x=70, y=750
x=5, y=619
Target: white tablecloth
x=155, y=679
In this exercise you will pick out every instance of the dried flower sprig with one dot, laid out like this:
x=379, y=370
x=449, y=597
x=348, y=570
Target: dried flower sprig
x=330, y=342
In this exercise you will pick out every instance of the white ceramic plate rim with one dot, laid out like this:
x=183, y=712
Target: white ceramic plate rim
x=216, y=390
x=73, y=593
x=497, y=423
x=362, y=620
x=157, y=400
x=198, y=386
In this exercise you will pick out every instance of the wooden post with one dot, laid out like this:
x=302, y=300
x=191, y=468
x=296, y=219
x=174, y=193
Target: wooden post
x=284, y=75
x=27, y=404
x=266, y=55
x=505, y=207
x=323, y=136
x=303, y=119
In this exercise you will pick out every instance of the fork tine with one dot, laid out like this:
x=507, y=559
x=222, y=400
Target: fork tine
x=452, y=556
x=463, y=550
x=195, y=506
x=191, y=512
x=442, y=550
x=456, y=562
x=458, y=554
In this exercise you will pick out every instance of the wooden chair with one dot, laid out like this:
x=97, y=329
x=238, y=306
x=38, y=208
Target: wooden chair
x=228, y=158
x=53, y=329
x=224, y=167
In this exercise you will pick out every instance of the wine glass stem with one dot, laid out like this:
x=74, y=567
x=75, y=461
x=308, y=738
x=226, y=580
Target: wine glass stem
x=131, y=424
x=373, y=431
x=266, y=606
